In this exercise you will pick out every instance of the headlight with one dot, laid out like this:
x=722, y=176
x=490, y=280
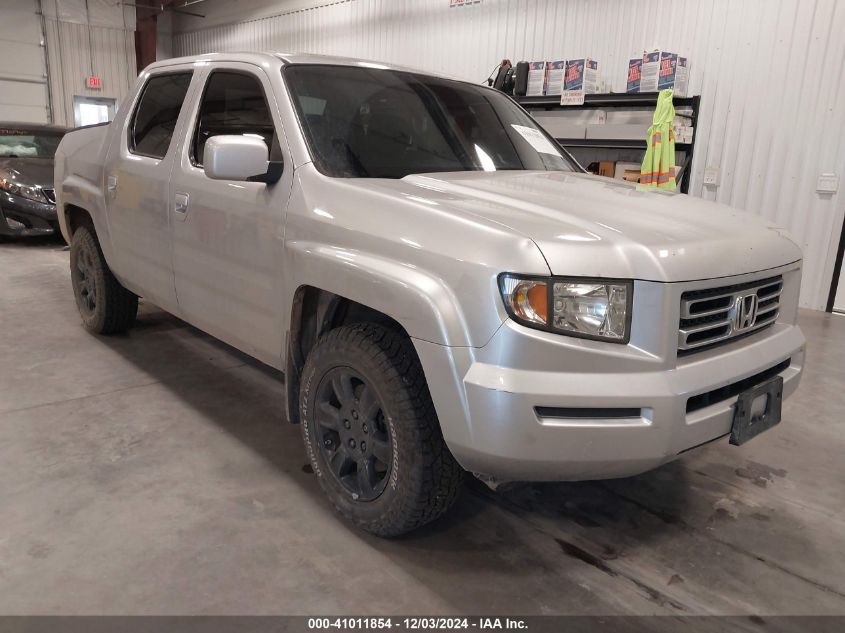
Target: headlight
x=588, y=308
x=31, y=192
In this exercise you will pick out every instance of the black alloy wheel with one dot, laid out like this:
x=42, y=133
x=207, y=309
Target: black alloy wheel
x=371, y=433
x=86, y=286
x=105, y=306
x=354, y=438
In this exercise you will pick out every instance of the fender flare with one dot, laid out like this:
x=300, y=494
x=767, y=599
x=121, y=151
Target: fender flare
x=86, y=195
x=423, y=304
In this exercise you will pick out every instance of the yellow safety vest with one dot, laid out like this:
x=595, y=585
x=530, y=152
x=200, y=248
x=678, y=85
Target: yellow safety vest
x=658, y=169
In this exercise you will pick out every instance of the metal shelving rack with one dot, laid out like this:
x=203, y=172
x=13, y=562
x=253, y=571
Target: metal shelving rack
x=642, y=100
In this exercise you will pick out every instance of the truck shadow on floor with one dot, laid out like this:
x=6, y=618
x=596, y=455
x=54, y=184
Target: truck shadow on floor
x=523, y=532
x=588, y=504
x=259, y=423
x=656, y=540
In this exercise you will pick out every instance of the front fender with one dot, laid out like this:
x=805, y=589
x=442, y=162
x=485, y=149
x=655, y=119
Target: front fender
x=421, y=302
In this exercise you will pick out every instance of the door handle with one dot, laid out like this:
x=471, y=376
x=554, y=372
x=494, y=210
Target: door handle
x=180, y=205
x=111, y=184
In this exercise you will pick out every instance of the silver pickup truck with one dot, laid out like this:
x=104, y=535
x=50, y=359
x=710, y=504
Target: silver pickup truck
x=443, y=287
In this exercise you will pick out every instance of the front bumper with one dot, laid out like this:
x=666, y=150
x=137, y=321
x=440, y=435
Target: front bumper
x=23, y=217
x=535, y=406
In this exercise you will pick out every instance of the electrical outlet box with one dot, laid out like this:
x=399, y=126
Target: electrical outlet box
x=711, y=176
x=827, y=183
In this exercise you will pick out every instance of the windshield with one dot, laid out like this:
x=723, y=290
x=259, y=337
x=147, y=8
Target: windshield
x=28, y=144
x=364, y=122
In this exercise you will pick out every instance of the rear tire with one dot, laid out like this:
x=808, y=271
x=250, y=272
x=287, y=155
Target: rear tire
x=371, y=432
x=105, y=306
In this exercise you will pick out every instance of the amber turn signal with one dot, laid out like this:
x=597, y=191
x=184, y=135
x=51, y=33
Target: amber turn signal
x=528, y=299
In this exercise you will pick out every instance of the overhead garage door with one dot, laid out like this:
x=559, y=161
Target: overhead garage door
x=23, y=76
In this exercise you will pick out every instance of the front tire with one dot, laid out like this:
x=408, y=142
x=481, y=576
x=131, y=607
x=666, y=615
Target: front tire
x=105, y=306
x=371, y=432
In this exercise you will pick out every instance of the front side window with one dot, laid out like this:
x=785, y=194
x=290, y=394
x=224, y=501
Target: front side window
x=233, y=103
x=156, y=114
x=375, y=123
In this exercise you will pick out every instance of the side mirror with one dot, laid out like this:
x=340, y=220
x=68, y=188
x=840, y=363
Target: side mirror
x=233, y=157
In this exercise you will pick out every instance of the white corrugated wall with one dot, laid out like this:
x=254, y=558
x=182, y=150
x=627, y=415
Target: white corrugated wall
x=93, y=38
x=770, y=74
x=23, y=74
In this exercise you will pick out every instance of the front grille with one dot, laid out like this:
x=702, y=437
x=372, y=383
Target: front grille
x=50, y=194
x=715, y=316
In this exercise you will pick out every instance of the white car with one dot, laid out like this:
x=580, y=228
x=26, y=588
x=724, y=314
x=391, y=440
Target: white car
x=444, y=288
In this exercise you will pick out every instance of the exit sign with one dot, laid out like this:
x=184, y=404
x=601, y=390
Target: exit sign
x=93, y=82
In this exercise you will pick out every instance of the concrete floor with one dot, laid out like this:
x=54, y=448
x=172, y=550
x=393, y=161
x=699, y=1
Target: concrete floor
x=152, y=474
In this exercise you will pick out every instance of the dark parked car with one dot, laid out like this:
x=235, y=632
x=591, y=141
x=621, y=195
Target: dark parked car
x=27, y=199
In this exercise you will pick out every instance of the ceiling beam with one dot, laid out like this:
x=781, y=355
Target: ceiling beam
x=146, y=19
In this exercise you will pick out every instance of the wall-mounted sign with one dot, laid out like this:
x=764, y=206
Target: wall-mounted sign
x=462, y=3
x=93, y=82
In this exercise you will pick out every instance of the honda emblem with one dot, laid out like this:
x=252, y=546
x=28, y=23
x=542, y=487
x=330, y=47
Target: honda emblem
x=744, y=312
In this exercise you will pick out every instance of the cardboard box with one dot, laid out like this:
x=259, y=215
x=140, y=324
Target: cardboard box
x=538, y=77
x=674, y=74
x=631, y=175
x=635, y=71
x=683, y=133
x=560, y=128
x=617, y=131
x=568, y=123
x=554, y=76
x=581, y=117
x=581, y=75
x=683, y=128
x=662, y=70
x=567, y=130
x=650, y=73
x=641, y=117
x=624, y=169
x=607, y=168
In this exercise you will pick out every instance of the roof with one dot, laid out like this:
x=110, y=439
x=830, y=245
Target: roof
x=290, y=59
x=282, y=59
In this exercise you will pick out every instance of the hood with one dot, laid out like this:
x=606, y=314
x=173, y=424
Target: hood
x=30, y=171
x=599, y=227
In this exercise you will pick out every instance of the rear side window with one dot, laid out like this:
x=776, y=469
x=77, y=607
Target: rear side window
x=156, y=114
x=233, y=103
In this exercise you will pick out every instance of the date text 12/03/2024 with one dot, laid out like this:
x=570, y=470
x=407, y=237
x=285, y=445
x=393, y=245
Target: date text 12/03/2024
x=417, y=623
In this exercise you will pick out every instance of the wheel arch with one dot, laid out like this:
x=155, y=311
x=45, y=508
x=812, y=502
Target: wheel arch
x=74, y=217
x=75, y=211
x=315, y=311
x=331, y=286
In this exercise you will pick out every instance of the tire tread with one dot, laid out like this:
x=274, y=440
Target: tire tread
x=433, y=487
x=120, y=305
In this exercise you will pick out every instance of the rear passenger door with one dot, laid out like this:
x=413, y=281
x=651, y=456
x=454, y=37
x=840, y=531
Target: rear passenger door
x=137, y=175
x=228, y=236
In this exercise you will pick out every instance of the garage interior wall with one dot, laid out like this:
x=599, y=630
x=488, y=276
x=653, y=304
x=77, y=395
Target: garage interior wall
x=88, y=38
x=769, y=72
x=23, y=74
